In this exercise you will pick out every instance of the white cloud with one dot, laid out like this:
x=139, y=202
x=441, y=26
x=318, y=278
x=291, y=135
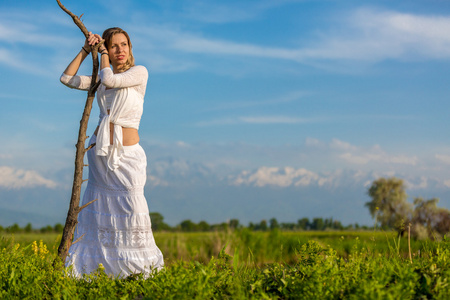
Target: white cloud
x=213, y=12
x=418, y=183
x=312, y=142
x=443, y=158
x=26, y=32
x=362, y=156
x=403, y=159
x=19, y=178
x=12, y=60
x=375, y=35
x=197, y=44
x=168, y=37
x=228, y=12
x=341, y=145
x=272, y=120
x=314, y=154
x=281, y=177
x=182, y=144
x=257, y=120
x=291, y=177
x=154, y=181
x=23, y=37
x=162, y=63
x=219, y=121
x=378, y=157
x=366, y=35
x=360, y=160
x=287, y=98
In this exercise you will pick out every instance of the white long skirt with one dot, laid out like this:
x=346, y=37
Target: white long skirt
x=117, y=227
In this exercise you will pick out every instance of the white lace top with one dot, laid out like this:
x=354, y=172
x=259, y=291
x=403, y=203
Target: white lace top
x=122, y=94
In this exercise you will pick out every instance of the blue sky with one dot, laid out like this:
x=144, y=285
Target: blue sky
x=260, y=94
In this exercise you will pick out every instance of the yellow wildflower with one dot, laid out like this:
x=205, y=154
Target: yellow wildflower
x=35, y=247
x=42, y=249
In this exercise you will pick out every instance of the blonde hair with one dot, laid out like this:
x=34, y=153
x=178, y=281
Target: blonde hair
x=107, y=36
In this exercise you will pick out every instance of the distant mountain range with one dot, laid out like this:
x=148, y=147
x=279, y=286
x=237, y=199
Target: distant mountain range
x=181, y=190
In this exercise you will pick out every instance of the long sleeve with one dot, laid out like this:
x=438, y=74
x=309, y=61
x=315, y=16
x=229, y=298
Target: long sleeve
x=136, y=75
x=76, y=82
x=118, y=107
x=128, y=90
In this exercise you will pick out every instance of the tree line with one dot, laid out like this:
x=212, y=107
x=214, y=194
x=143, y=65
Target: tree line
x=15, y=228
x=388, y=207
x=158, y=224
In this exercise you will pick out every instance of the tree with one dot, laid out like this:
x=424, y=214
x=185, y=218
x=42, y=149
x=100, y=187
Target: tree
x=425, y=212
x=431, y=217
x=288, y=226
x=13, y=229
x=303, y=224
x=203, y=226
x=219, y=227
x=328, y=223
x=318, y=224
x=47, y=229
x=158, y=222
x=337, y=225
x=234, y=223
x=263, y=225
x=274, y=224
x=58, y=228
x=388, y=205
x=443, y=221
x=251, y=226
x=188, y=226
x=28, y=228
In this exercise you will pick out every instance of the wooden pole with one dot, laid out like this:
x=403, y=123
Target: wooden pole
x=74, y=207
x=409, y=242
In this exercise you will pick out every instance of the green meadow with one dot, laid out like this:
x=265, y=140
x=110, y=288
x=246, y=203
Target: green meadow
x=243, y=264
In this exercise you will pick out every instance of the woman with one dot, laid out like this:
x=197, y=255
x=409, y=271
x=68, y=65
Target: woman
x=116, y=228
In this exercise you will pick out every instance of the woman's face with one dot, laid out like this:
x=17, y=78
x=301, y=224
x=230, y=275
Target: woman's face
x=119, y=50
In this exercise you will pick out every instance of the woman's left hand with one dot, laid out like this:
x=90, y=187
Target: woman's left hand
x=94, y=39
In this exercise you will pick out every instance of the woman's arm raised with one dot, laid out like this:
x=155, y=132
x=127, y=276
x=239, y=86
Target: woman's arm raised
x=68, y=77
x=75, y=64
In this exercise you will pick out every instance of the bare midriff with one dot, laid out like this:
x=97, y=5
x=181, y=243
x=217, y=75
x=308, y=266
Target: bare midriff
x=130, y=135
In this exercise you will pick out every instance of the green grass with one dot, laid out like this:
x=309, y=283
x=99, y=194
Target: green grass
x=243, y=265
x=51, y=240
x=257, y=247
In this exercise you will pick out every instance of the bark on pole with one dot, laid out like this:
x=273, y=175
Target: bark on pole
x=74, y=208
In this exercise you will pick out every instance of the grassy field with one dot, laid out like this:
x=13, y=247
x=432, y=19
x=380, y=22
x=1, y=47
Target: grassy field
x=244, y=265
x=258, y=248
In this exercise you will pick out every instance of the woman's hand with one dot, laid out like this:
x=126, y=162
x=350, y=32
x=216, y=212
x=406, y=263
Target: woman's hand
x=93, y=39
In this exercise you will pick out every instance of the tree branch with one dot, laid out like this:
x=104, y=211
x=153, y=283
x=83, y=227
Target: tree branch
x=90, y=147
x=74, y=207
x=79, y=239
x=75, y=18
x=84, y=206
